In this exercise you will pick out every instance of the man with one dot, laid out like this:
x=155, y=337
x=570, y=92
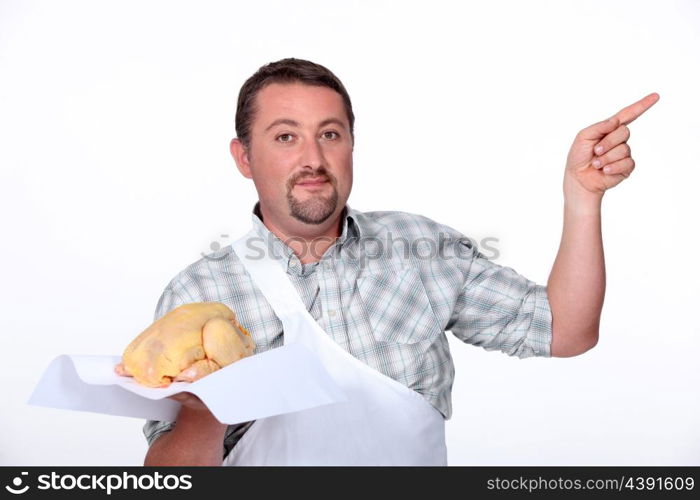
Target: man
x=387, y=309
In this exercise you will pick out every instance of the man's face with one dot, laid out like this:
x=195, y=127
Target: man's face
x=300, y=156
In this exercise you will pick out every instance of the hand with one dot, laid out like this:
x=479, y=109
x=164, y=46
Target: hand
x=585, y=164
x=190, y=401
x=187, y=399
x=120, y=370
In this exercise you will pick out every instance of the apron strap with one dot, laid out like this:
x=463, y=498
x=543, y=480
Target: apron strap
x=269, y=275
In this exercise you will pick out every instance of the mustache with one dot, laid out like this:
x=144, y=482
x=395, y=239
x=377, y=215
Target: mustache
x=322, y=174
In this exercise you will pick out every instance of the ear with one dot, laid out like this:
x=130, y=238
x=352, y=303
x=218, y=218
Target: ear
x=240, y=155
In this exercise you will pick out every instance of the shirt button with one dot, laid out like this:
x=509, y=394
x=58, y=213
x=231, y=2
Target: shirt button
x=331, y=312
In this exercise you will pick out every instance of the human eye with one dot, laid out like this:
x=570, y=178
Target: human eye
x=284, y=138
x=331, y=134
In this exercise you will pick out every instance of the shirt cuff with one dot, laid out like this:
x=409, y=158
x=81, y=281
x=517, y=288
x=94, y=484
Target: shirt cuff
x=153, y=429
x=539, y=337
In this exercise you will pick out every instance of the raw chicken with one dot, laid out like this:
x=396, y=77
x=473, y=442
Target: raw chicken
x=186, y=344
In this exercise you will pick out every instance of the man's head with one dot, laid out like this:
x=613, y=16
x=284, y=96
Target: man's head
x=295, y=124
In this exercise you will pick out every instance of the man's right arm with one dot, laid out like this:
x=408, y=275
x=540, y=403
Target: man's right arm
x=196, y=439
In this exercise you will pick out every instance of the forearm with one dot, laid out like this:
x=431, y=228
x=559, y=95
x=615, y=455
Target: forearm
x=196, y=439
x=576, y=285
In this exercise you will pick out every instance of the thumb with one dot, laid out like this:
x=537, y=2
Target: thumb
x=599, y=130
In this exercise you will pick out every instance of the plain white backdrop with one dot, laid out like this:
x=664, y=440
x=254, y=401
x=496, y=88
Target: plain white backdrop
x=115, y=119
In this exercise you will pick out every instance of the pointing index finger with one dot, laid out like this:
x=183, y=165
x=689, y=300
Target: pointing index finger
x=630, y=113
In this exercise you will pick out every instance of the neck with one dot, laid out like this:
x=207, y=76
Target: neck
x=309, y=242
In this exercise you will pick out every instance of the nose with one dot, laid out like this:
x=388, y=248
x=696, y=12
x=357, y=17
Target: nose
x=312, y=155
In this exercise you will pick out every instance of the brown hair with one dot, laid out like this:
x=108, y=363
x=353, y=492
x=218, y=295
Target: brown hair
x=288, y=70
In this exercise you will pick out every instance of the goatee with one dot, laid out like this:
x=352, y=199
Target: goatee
x=318, y=207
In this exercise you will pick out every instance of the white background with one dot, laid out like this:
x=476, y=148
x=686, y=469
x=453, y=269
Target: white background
x=115, y=119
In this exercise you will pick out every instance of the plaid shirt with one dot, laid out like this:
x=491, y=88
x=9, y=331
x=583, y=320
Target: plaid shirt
x=386, y=290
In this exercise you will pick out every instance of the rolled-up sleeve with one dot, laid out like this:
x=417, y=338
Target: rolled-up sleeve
x=498, y=309
x=153, y=429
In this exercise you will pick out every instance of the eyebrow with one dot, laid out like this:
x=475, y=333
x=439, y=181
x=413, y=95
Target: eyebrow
x=294, y=123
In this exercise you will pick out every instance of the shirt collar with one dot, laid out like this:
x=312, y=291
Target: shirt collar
x=351, y=229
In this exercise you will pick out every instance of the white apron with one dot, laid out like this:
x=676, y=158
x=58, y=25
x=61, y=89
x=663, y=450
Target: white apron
x=383, y=422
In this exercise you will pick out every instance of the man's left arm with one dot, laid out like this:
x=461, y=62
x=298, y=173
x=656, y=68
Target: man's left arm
x=599, y=159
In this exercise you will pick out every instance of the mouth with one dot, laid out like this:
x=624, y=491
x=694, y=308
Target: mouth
x=310, y=183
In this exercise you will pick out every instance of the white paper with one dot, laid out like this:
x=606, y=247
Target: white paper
x=282, y=380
